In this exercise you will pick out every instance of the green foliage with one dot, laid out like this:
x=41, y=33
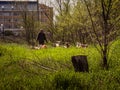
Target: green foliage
x=114, y=57
x=71, y=81
x=8, y=33
x=22, y=68
x=102, y=80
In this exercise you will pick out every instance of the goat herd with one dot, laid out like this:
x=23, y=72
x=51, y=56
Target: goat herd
x=64, y=45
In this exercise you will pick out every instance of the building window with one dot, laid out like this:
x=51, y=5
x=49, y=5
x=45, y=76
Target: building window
x=16, y=20
x=6, y=14
x=9, y=20
x=0, y=14
x=16, y=14
x=16, y=26
x=9, y=26
x=12, y=7
x=2, y=7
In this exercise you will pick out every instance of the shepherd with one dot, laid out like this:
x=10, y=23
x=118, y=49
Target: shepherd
x=41, y=38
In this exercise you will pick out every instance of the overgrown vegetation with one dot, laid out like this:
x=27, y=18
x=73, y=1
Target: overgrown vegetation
x=23, y=68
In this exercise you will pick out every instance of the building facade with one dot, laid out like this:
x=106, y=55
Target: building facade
x=46, y=13
x=11, y=13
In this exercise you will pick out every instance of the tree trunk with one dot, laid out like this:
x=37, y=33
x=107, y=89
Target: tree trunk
x=80, y=63
x=105, y=64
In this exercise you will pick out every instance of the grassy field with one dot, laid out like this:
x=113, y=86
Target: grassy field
x=22, y=68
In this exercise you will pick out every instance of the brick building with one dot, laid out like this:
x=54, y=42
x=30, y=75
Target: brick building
x=11, y=12
x=46, y=13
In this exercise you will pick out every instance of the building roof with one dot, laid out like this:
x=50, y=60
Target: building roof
x=17, y=0
x=12, y=1
x=9, y=1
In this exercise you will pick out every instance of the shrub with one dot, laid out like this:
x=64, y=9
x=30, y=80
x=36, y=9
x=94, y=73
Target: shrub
x=8, y=33
x=71, y=81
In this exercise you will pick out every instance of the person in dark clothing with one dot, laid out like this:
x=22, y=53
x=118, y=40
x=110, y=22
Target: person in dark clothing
x=41, y=37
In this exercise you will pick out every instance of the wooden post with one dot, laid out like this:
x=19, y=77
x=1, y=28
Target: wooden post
x=80, y=63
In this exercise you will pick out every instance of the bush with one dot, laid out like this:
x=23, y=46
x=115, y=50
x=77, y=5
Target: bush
x=71, y=81
x=8, y=33
x=2, y=51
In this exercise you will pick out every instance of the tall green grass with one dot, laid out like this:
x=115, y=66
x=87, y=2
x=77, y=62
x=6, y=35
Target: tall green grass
x=22, y=68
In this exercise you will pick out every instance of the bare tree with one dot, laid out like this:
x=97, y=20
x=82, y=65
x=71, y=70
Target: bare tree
x=29, y=20
x=105, y=14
